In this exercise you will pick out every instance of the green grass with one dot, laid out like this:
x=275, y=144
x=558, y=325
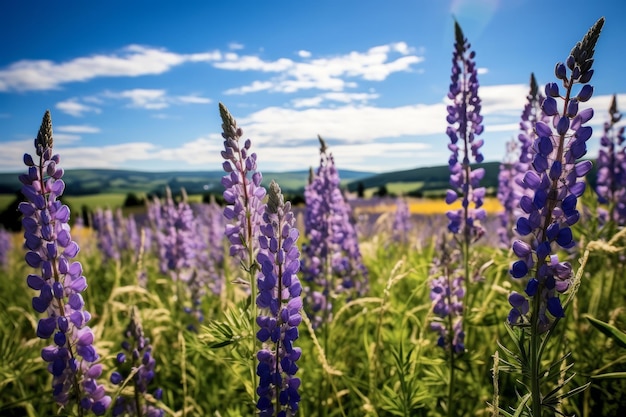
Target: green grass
x=5, y=200
x=377, y=358
x=109, y=200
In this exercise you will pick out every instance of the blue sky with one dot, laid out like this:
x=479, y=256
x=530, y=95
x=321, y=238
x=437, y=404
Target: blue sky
x=136, y=84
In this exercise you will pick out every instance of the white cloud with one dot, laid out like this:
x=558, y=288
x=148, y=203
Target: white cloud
x=149, y=99
x=74, y=108
x=235, y=46
x=334, y=96
x=131, y=61
x=193, y=99
x=329, y=73
x=307, y=102
x=154, y=99
x=77, y=129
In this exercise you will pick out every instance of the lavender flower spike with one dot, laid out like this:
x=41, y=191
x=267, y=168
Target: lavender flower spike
x=280, y=308
x=611, y=187
x=465, y=124
x=5, y=247
x=550, y=209
x=60, y=282
x=136, y=359
x=243, y=191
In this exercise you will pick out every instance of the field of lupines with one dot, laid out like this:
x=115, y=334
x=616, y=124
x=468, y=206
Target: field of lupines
x=261, y=308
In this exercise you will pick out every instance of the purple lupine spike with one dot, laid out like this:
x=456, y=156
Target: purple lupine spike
x=506, y=193
x=211, y=256
x=553, y=182
x=333, y=262
x=176, y=238
x=447, y=290
x=401, y=221
x=60, y=282
x=106, y=230
x=611, y=183
x=280, y=308
x=243, y=191
x=137, y=359
x=5, y=247
x=464, y=126
x=510, y=185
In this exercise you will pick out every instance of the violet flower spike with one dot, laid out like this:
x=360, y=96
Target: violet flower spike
x=332, y=261
x=611, y=183
x=5, y=247
x=243, y=191
x=510, y=182
x=465, y=125
x=280, y=306
x=401, y=221
x=553, y=182
x=60, y=282
x=137, y=359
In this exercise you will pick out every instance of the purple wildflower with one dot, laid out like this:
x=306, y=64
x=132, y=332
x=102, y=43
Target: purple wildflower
x=550, y=209
x=611, y=186
x=107, y=234
x=447, y=292
x=136, y=359
x=176, y=237
x=401, y=221
x=512, y=171
x=71, y=359
x=333, y=259
x=243, y=191
x=465, y=124
x=5, y=247
x=280, y=308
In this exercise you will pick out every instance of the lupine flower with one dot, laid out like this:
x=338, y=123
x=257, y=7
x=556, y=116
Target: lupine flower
x=401, y=221
x=520, y=153
x=59, y=280
x=243, y=191
x=5, y=247
x=333, y=262
x=136, y=358
x=465, y=124
x=280, y=308
x=506, y=193
x=447, y=293
x=107, y=234
x=611, y=185
x=550, y=210
x=176, y=237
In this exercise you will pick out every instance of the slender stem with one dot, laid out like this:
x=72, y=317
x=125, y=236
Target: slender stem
x=535, y=359
x=450, y=346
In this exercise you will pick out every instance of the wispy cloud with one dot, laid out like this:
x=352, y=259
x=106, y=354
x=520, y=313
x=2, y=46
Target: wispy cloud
x=193, y=99
x=154, y=99
x=334, y=73
x=338, y=97
x=74, y=108
x=150, y=99
x=131, y=61
x=77, y=129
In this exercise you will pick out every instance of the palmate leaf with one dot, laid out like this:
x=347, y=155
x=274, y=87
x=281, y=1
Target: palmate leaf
x=610, y=331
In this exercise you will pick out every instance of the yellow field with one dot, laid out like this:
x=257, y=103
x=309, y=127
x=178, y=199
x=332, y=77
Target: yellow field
x=430, y=206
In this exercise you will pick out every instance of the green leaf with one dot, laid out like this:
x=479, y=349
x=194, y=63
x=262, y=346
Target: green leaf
x=611, y=331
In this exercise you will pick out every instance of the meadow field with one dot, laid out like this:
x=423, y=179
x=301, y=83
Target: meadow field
x=468, y=305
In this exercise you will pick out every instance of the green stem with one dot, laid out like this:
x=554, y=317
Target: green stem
x=535, y=359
